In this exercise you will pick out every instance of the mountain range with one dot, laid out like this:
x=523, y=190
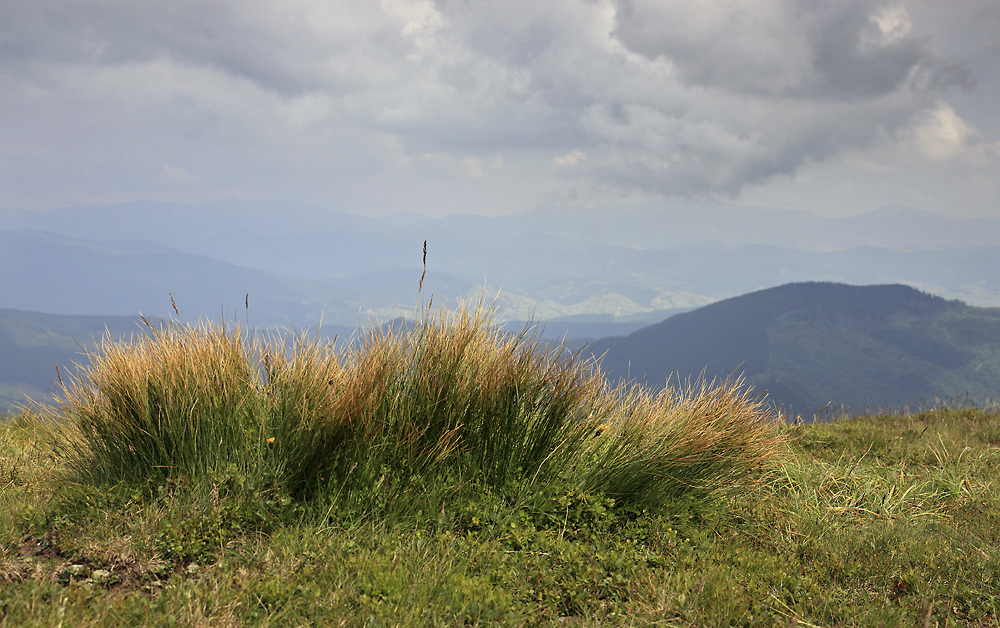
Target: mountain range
x=594, y=271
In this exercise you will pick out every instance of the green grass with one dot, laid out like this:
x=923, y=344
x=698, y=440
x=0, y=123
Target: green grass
x=450, y=402
x=453, y=476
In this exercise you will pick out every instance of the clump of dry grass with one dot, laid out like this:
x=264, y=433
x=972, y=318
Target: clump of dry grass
x=451, y=399
x=453, y=395
x=180, y=400
x=699, y=437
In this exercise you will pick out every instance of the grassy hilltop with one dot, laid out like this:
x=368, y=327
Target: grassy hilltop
x=452, y=475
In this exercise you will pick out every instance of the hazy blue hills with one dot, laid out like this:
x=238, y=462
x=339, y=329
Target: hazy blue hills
x=257, y=234
x=657, y=225
x=808, y=344
x=582, y=272
x=45, y=272
x=32, y=344
x=608, y=263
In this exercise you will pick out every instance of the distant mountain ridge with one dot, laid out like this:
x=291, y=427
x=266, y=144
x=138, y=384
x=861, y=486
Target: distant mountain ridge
x=655, y=225
x=809, y=344
x=614, y=267
x=258, y=234
x=46, y=272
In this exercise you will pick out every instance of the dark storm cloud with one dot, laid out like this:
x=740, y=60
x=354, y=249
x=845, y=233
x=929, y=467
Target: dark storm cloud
x=840, y=49
x=766, y=88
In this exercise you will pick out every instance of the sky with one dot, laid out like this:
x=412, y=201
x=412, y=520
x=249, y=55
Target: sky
x=496, y=107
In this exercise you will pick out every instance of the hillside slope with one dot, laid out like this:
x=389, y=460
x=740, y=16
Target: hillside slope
x=808, y=344
x=50, y=273
x=33, y=344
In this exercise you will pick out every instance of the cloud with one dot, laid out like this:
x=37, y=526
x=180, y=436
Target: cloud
x=651, y=97
x=939, y=133
x=831, y=49
x=739, y=93
x=175, y=174
x=291, y=47
x=571, y=158
x=894, y=24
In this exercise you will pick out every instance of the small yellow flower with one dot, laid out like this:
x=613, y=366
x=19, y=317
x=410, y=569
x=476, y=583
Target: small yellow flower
x=270, y=441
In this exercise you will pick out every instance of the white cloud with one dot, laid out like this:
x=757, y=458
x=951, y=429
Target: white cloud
x=306, y=110
x=893, y=23
x=175, y=174
x=390, y=147
x=465, y=165
x=847, y=49
x=571, y=158
x=939, y=133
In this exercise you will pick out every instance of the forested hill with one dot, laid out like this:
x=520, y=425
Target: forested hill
x=811, y=343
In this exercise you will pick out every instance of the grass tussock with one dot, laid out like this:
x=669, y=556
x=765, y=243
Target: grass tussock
x=691, y=439
x=448, y=402
x=180, y=401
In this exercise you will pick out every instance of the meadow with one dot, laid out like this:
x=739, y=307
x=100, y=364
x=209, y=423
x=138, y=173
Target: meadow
x=450, y=474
